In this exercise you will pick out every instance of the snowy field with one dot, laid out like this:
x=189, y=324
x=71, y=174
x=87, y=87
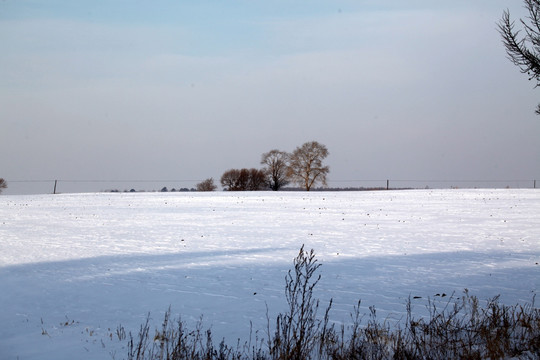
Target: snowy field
x=74, y=267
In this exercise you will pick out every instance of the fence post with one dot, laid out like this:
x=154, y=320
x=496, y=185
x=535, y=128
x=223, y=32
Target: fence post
x=55, y=181
x=387, y=184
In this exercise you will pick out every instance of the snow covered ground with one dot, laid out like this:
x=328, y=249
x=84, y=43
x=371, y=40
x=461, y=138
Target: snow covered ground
x=74, y=267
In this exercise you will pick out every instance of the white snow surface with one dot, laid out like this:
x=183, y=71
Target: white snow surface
x=74, y=267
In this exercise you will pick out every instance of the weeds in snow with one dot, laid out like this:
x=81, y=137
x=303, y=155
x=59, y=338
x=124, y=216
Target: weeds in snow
x=120, y=332
x=462, y=329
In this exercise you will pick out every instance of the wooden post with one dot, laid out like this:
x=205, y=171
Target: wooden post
x=55, y=181
x=387, y=184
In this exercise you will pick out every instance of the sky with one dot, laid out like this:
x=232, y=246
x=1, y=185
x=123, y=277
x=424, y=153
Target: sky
x=185, y=90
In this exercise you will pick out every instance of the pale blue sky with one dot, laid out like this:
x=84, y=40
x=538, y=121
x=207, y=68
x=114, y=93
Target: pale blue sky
x=186, y=90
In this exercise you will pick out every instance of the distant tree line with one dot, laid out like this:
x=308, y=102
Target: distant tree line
x=304, y=167
x=164, y=189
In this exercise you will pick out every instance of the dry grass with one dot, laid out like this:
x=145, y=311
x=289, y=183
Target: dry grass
x=462, y=329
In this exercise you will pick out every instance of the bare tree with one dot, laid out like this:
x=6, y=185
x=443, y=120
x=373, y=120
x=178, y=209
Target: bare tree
x=207, y=185
x=230, y=180
x=306, y=164
x=524, y=51
x=276, y=168
x=3, y=184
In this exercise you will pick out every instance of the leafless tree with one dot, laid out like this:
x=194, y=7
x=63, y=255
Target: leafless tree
x=3, y=184
x=207, y=185
x=306, y=164
x=276, y=168
x=243, y=180
x=524, y=51
x=230, y=180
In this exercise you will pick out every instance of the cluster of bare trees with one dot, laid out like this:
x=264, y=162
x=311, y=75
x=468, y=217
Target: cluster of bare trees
x=3, y=184
x=304, y=166
x=243, y=180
